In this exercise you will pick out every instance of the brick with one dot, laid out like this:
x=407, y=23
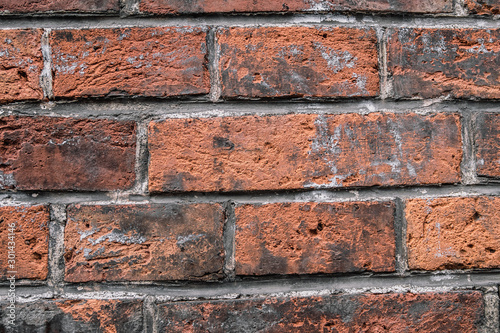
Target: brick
x=34, y=6
x=488, y=144
x=21, y=63
x=427, y=63
x=397, y=312
x=144, y=242
x=453, y=233
x=303, y=151
x=241, y=6
x=483, y=7
x=307, y=238
x=90, y=315
x=31, y=238
x=51, y=153
x=298, y=62
x=156, y=62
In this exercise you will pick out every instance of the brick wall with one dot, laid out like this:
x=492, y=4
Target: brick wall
x=250, y=166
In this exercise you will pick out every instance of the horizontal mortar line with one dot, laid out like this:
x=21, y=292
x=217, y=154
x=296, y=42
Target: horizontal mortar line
x=441, y=281
x=140, y=110
x=322, y=195
x=353, y=19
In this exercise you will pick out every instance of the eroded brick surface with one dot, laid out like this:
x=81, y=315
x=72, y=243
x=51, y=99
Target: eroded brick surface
x=230, y=6
x=301, y=151
x=144, y=242
x=91, y=315
x=48, y=153
x=21, y=63
x=298, y=61
x=427, y=312
x=483, y=7
x=85, y=6
x=428, y=63
x=453, y=233
x=31, y=238
x=488, y=144
x=158, y=62
x=306, y=238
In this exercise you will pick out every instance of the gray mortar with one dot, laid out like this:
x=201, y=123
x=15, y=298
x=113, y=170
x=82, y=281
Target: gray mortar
x=213, y=65
x=400, y=234
x=491, y=311
x=468, y=165
x=57, y=224
x=229, y=233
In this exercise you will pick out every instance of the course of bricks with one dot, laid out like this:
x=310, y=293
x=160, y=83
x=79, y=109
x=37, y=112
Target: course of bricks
x=250, y=166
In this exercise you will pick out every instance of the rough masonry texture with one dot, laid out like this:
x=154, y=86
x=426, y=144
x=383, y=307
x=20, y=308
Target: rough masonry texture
x=488, y=144
x=49, y=153
x=303, y=151
x=483, y=7
x=44, y=6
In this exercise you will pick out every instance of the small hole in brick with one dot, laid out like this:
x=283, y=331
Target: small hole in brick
x=476, y=216
x=470, y=246
x=491, y=250
x=37, y=256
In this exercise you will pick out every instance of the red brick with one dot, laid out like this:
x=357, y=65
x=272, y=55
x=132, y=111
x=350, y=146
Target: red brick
x=158, y=62
x=453, y=233
x=303, y=150
x=307, y=238
x=298, y=61
x=89, y=315
x=21, y=63
x=483, y=7
x=144, y=242
x=31, y=238
x=427, y=312
x=242, y=6
x=488, y=144
x=46, y=153
x=33, y=6
x=428, y=63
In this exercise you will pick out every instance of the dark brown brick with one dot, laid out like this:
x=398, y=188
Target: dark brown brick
x=483, y=7
x=306, y=238
x=46, y=153
x=429, y=63
x=30, y=241
x=21, y=63
x=303, y=150
x=488, y=144
x=83, y=6
x=453, y=233
x=298, y=61
x=397, y=312
x=239, y=6
x=90, y=315
x=157, y=62
x=144, y=242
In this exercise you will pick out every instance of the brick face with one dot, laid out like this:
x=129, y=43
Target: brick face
x=21, y=63
x=33, y=6
x=434, y=62
x=483, y=7
x=155, y=62
x=31, y=238
x=427, y=312
x=488, y=144
x=306, y=238
x=239, y=6
x=302, y=151
x=51, y=153
x=453, y=233
x=144, y=242
x=298, y=61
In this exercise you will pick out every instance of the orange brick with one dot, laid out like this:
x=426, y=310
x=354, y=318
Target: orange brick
x=488, y=144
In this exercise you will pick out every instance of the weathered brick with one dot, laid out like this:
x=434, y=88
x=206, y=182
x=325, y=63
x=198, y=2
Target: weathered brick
x=483, y=7
x=158, y=62
x=488, y=144
x=31, y=238
x=21, y=63
x=427, y=312
x=49, y=153
x=453, y=233
x=90, y=315
x=428, y=63
x=230, y=6
x=307, y=238
x=144, y=242
x=298, y=61
x=33, y=6
x=303, y=150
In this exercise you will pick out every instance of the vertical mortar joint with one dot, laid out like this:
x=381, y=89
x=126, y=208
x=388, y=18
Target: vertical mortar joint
x=46, y=74
x=229, y=241
x=213, y=51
